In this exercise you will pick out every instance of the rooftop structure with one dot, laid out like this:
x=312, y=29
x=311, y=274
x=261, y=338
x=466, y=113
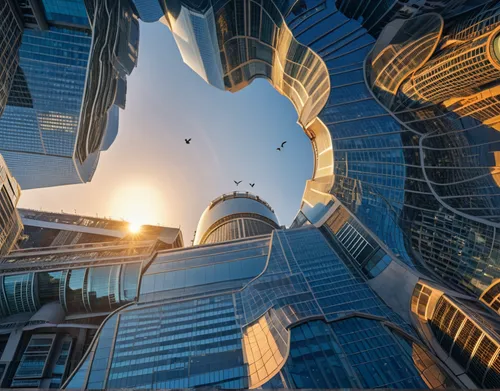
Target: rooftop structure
x=47, y=229
x=233, y=216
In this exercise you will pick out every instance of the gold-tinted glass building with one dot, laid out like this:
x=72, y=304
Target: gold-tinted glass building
x=10, y=221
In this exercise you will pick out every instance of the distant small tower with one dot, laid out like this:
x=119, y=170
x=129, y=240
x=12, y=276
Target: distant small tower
x=233, y=216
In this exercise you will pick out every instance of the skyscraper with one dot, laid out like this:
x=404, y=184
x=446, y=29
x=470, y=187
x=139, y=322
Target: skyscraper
x=376, y=284
x=10, y=221
x=379, y=90
x=10, y=39
x=312, y=307
x=54, y=299
x=62, y=106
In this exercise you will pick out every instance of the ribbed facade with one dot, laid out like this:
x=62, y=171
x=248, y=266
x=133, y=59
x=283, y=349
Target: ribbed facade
x=491, y=296
x=234, y=216
x=458, y=71
x=470, y=340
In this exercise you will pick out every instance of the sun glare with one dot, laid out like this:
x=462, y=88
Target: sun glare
x=138, y=203
x=134, y=228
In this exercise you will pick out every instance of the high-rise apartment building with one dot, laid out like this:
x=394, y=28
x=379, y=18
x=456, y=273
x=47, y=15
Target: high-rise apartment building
x=11, y=225
x=398, y=100
x=65, y=80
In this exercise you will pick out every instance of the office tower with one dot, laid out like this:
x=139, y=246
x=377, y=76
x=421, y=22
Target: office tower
x=50, y=229
x=53, y=300
x=223, y=220
x=62, y=108
x=461, y=69
x=421, y=174
x=10, y=38
x=312, y=307
x=10, y=221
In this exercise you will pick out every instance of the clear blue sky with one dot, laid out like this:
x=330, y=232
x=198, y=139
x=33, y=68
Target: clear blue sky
x=149, y=175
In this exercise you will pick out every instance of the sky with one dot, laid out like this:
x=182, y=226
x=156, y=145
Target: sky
x=150, y=176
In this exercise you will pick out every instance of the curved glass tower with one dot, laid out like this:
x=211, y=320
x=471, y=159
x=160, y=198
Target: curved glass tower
x=233, y=216
x=63, y=75
x=401, y=103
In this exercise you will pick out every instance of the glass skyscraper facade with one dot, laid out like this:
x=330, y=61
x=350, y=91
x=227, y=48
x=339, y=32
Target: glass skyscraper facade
x=279, y=310
x=307, y=307
x=68, y=80
x=54, y=297
x=10, y=38
x=388, y=276
x=400, y=102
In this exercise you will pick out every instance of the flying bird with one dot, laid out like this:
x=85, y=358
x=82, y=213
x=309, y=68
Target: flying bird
x=283, y=144
x=252, y=184
x=237, y=183
x=278, y=149
x=187, y=140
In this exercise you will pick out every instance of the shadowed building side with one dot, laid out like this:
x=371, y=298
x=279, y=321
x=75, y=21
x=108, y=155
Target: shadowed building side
x=11, y=225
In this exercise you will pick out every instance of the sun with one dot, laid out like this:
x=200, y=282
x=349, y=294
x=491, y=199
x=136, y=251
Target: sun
x=134, y=228
x=138, y=203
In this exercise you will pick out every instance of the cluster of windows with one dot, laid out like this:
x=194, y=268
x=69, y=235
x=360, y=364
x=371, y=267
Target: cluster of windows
x=410, y=47
x=266, y=48
x=66, y=11
x=458, y=69
x=107, y=69
x=180, y=345
x=466, y=342
x=239, y=338
x=93, y=289
x=238, y=228
x=44, y=362
x=491, y=296
x=54, y=65
x=265, y=348
x=10, y=222
x=149, y=10
x=483, y=19
x=10, y=40
x=196, y=271
x=358, y=244
x=357, y=353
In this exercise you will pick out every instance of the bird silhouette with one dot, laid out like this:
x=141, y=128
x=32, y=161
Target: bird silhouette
x=187, y=140
x=252, y=184
x=278, y=149
x=283, y=144
x=237, y=183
